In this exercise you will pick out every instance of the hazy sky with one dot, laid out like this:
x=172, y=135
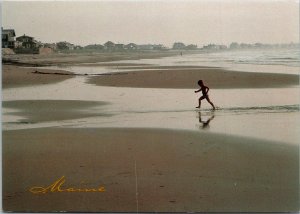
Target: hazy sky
x=197, y=22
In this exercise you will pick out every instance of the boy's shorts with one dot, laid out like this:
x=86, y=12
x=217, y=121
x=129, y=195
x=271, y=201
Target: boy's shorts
x=203, y=97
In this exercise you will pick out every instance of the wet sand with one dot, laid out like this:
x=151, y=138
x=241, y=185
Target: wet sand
x=37, y=111
x=148, y=170
x=15, y=76
x=174, y=77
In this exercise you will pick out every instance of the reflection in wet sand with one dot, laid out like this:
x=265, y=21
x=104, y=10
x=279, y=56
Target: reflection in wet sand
x=205, y=123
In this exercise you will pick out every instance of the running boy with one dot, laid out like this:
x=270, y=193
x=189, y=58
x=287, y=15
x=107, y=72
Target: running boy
x=204, y=90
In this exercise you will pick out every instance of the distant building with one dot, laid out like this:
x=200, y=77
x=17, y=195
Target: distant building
x=65, y=46
x=109, y=46
x=94, y=47
x=18, y=44
x=191, y=47
x=78, y=47
x=214, y=47
x=245, y=46
x=27, y=42
x=258, y=45
x=119, y=47
x=8, y=38
x=159, y=47
x=70, y=46
x=27, y=45
x=234, y=45
x=131, y=46
x=145, y=47
x=178, y=46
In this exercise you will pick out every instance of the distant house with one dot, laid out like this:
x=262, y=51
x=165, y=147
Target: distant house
x=159, y=47
x=131, y=46
x=94, y=47
x=78, y=47
x=178, y=46
x=191, y=47
x=70, y=46
x=27, y=44
x=119, y=47
x=109, y=46
x=210, y=47
x=8, y=38
x=26, y=41
x=244, y=45
x=18, y=44
x=145, y=47
x=234, y=45
x=65, y=46
x=214, y=47
x=258, y=45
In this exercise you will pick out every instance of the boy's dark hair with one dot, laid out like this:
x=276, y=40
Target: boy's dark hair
x=200, y=82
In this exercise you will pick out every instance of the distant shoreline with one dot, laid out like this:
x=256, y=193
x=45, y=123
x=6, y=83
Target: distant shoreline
x=35, y=60
x=155, y=76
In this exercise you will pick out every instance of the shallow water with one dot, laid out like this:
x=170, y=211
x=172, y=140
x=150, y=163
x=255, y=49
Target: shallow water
x=271, y=114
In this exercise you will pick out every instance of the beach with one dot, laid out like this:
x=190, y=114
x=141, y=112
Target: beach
x=147, y=170
x=130, y=125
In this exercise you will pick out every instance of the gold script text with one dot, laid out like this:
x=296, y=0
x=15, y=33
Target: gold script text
x=57, y=186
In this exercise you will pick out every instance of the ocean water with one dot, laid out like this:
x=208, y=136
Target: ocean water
x=286, y=57
x=269, y=114
x=256, y=60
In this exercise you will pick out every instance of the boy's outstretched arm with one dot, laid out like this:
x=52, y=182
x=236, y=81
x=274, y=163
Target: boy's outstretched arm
x=198, y=90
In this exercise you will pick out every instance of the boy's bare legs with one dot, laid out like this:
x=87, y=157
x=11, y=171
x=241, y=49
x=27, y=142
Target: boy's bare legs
x=199, y=103
x=210, y=102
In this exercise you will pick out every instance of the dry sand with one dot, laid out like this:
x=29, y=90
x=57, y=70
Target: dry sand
x=148, y=170
x=71, y=58
x=182, y=77
x=15, y=76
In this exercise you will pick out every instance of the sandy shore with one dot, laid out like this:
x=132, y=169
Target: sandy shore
x=71, y=58
x=187, y=77
x=148, y=170
x=15, y=76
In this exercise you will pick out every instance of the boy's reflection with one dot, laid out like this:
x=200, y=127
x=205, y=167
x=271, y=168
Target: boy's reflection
x=205, y=124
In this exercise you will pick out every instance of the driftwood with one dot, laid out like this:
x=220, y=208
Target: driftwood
x=56, y=73
x=72, y=74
